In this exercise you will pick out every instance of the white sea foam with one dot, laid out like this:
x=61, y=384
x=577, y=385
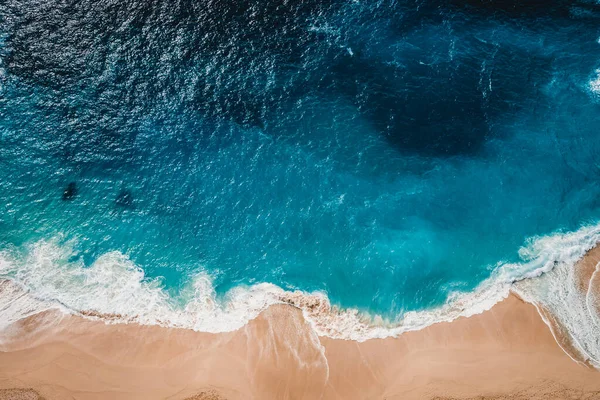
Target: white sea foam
x=16, y=303
x=116, y=287
x=595, y=83
x=559, y=291
x=113, y=286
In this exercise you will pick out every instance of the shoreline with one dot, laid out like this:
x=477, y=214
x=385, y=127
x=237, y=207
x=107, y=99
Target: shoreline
x=506, y=351
x=114, y=289
x=517, y=349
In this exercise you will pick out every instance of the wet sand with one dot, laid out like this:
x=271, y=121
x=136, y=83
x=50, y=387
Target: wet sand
x=507, y=352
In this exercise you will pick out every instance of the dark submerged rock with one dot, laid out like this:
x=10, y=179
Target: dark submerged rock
x=124, y=199
x=70, y=192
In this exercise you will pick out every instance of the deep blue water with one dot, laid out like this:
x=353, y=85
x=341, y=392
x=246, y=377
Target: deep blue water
x=386, y=153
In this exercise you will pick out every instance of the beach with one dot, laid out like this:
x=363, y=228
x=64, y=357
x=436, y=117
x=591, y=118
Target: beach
x=507, y=352
x=299, y=199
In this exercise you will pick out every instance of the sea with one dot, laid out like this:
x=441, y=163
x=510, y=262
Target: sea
x=399, y=162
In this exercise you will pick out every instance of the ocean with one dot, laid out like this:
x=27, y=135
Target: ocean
x=400, y=163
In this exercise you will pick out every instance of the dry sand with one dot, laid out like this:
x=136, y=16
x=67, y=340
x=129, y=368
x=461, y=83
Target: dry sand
x=505, y=353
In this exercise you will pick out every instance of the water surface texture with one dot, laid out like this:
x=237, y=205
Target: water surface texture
x=388, y=154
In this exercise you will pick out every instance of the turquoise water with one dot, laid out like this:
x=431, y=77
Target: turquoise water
x=386, y=154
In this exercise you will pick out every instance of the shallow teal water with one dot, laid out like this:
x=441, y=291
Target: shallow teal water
x=385, y=154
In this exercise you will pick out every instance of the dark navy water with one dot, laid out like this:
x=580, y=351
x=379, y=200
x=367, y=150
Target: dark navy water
x=386, y=153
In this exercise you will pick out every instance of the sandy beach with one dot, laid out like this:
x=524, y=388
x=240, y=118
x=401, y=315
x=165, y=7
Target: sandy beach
x=507, y=352
x=299, y=200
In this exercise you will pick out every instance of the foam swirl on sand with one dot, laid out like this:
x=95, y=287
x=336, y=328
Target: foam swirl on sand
x=568, y=298
x=115, y=290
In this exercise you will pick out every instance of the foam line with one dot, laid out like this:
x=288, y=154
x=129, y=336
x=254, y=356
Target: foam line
x=115, y=289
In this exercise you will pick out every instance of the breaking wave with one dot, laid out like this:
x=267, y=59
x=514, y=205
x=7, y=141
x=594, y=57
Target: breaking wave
x=115, y=289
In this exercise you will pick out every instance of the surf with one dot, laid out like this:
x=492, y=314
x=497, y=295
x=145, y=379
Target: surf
x=113, y=289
